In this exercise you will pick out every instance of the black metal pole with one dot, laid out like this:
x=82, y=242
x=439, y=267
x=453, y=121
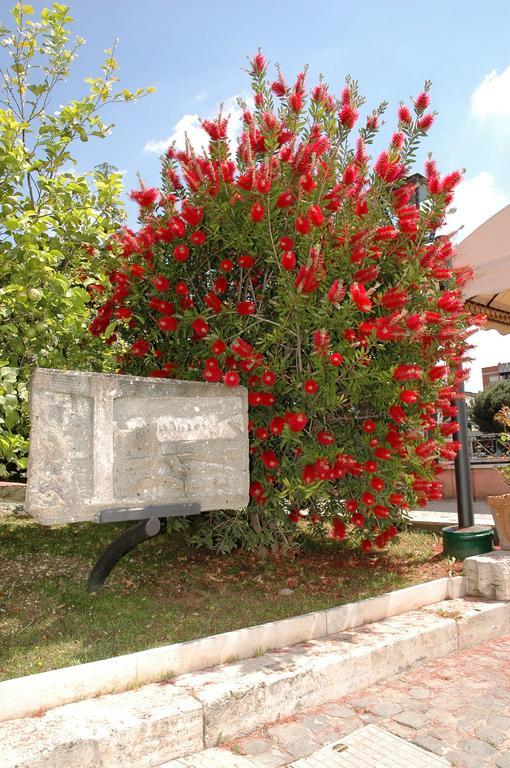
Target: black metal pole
x=465, y=511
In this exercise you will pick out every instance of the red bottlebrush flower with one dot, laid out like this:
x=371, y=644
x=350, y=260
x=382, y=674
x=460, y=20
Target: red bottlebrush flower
x=338, y=530
x=397, y=413
x=258, y=63
x=321, y=340
x=99, y=325
x=193, y=215
x=231, y=379
x=288, y=261
x=226, y=265
x=198, y=237
x=307, y=183
x=306, y=280
x=285, y=199
x=425, y=122
x=367, y=498
x=381, y=511
x=257, y=212
x=276, y=425
x=336, y=359
x=278, y=87
x=325, y=438
x=213, y=302
x=407, y=372
x=181, y=252
x=286, y=243
x=246, y=262
x=296, y=421
x=302, y=225
x=404, y=115
x=408, y=396
x=123, y=313
x=366, y=545
x=181, y=289
x=242, y=348
x=160, y=283
x=220, y=284
x=369, y=426
x=270, y=459
x=316, y=215
x=348, y=116
x=261, y=433
x=256, y=490
x=218, y=347
x=145, y=197
x=246, y=308
x=137, y=270
x=396, y=499
x=168, y=323
x=382, y=453
x=422, y=101
x=140, y=348
x=296, y=101
x=394, y=299
x=371, y=465
x=294, y=516
x=351, y=505
x=358, y=520
x=360, y=297
x=377, y=483
x=309, y=474
x=310, y=387
x=415, y=322
x=437, y=372
x=269, y=378
x=350, y=174
x=336, y=293
x=200, y=327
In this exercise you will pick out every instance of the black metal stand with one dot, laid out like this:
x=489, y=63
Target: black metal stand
x=465, y=510
x=153, y=521
x=120, y=546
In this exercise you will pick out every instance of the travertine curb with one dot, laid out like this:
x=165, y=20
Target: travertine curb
x=159, y=723
x=488, y=575
x=27, y=695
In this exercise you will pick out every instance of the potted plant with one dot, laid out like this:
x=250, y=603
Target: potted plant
x=500, y=505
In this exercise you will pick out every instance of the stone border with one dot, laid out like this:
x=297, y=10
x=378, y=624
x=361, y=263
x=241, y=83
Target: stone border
x=157, y=723
x=29, y=695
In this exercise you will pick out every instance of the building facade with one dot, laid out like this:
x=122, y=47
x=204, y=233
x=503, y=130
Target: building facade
x=493, y=374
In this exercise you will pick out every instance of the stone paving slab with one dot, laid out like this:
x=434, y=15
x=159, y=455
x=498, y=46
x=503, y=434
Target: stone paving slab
x=457, y=708
x=371, y=747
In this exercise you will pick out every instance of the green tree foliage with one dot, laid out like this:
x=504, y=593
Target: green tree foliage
x=52, y=217
x=486, y=405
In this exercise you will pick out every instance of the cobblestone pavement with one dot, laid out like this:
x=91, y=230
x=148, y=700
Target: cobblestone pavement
x=457, y=707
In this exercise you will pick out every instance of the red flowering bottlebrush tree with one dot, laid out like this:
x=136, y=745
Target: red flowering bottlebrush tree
x=301, y=269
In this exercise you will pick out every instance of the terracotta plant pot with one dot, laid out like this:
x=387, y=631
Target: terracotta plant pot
x=500, y=508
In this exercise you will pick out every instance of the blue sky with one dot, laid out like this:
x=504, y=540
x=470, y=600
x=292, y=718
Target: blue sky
x=194, y=52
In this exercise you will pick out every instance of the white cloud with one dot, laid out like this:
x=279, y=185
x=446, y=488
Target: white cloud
x=190, y=125
x=201, y=95
x=476, y=199
x=491, y=348
x=492, y=96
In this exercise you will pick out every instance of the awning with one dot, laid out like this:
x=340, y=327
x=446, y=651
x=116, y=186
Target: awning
x=487, y=250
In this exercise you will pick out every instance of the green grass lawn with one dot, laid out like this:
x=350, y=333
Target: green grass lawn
x=164, y=592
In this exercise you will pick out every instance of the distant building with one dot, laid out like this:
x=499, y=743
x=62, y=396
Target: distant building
x=494, y=373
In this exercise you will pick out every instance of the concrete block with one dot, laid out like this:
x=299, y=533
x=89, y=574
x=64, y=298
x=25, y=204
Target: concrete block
x=488, y=575
x=145, y=728
x=238, y=698
x=103, y=441
x=383, y=606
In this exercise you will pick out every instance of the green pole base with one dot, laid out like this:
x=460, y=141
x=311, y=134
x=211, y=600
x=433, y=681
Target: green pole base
x=466, y=542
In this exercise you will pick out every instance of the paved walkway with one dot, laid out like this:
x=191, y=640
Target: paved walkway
x=457, y=707
x=444, y=512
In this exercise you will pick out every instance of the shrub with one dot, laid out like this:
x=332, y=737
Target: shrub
x=52, y=218
x=305, y=272
x=486, y=405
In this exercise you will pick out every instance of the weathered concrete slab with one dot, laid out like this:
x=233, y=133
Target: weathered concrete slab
x=102, y=441
x=488, y=575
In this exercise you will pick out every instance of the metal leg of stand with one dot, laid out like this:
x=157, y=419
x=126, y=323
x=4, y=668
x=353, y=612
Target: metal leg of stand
x=120, y=546
x=465, y=510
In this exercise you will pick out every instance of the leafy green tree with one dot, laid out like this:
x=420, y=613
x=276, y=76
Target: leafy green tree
x=486, y=405
x=52, y=217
